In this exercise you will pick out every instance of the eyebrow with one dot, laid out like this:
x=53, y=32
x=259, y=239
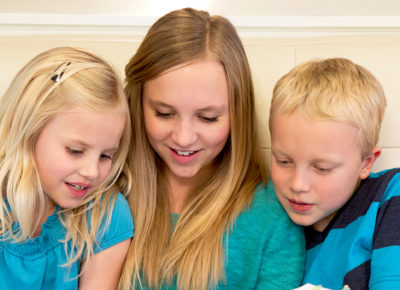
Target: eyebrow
x=277, y=154
x=327, y=161
x=84, y=144
x=159, y=104
x=217, y=109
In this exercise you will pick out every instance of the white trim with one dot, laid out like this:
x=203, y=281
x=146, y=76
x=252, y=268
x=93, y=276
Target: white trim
x=75, y=19
x=126, y=20
x=47, y=24
x=317, y=21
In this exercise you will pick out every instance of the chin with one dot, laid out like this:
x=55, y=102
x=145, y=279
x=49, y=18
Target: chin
x=301, y=222
x=70, y=205
x=186, y=173
x=186, y=176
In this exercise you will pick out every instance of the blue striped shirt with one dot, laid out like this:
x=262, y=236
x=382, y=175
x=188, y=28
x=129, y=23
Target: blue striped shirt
x=361, y=245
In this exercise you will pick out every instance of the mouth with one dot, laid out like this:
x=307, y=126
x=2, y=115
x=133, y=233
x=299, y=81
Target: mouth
x=79, y=190
x=301, y=207
x=184, y=153
x=77, y=186
x=184, y=157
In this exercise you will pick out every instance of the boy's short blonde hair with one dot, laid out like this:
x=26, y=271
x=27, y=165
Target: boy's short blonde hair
x=333, y=89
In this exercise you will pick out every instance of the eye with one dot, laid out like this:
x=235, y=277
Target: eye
x=106, y=157
x=209, y=119
x=75, y=152
x=163, y=115
x=323, y=170
x=282, y=162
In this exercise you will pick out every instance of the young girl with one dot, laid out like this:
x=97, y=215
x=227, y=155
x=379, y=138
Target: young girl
x=64, y=136
x=204, y=218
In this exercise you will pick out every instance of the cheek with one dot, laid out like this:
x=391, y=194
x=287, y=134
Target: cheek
x=105, y=171
x=216, y=136
x=345, y=182
x=278, y=175
x=44, y=158
x=155, y=129
x=334, y=191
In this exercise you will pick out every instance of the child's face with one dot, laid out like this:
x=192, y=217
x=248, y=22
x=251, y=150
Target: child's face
x=316, y=166
x=74, y=153
x=187, y=116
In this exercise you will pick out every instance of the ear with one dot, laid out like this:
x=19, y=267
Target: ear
x=369, y=162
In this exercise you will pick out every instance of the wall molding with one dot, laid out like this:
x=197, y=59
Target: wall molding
x=80, y=24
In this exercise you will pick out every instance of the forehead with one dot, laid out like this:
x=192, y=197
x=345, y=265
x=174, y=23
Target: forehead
x=190, y=84
x=295, y=134
x=103, y=128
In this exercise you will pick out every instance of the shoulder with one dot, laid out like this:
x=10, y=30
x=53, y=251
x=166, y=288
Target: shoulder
x=372, y=195
x=388, y=182
x=266, y=203
x=120, y=213
x=121, y=209
x=260, y=239
x=117, y=225
x=381, y=186
x=265, y=211
x=117, y=211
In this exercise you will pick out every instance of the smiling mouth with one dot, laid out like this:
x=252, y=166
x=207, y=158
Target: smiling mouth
x=76, y=186
x=184, y=153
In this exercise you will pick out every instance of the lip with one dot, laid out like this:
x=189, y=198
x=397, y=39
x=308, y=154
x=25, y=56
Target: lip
x=184, y=159
x=78, y=193
x=301, y=207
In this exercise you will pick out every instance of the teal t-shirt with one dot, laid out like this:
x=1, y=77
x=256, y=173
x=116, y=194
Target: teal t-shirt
x=36, y=264
x=265, y=249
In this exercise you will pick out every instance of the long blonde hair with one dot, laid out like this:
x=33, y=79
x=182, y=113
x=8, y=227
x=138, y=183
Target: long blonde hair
x=194, y=253
x=30, y=102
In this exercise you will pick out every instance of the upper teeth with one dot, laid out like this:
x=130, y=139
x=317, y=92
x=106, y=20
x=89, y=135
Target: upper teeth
x=76, y=186
x=184, y=153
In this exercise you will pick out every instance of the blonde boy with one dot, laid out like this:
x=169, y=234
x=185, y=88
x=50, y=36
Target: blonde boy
x=324, y=121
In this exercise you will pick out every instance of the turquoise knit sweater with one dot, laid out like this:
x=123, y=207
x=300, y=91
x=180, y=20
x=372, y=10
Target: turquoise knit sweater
x=265, y=250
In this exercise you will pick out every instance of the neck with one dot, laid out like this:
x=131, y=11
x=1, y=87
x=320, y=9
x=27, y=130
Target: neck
x=179, y=190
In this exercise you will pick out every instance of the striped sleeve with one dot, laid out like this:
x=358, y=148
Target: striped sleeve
x=385, y=259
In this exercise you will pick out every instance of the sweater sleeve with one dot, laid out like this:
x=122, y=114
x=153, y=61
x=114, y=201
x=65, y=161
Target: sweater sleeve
x=284, y=254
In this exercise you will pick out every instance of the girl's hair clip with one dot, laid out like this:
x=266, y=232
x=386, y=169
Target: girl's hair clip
x=57, y=74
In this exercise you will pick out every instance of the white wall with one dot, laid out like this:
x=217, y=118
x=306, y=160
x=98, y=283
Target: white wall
x=277, y=35
x=249, y=8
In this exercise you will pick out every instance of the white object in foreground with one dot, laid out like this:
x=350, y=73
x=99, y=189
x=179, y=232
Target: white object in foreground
x=309, y=286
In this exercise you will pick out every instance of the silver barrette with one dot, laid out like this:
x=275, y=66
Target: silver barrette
x=59, y=72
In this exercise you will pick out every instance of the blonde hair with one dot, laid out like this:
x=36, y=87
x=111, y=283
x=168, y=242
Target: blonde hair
x=333, y=89
x=194, y=253
x=30, y=102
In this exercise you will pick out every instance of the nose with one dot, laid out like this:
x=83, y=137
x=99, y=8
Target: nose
x=300, y=181
x=184, y=134
x=90, y=168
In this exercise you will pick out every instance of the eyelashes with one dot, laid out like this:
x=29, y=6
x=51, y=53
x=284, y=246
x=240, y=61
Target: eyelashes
x=80, y=152
x=74, y=152
x=206, y=119
x=286, y=163
x=163, y=115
